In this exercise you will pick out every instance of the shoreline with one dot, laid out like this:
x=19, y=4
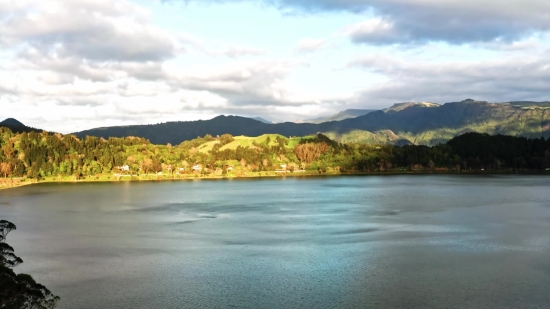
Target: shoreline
x=23, y=183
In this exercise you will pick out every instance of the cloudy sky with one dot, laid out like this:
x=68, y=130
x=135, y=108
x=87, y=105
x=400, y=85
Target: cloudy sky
x=69, y=65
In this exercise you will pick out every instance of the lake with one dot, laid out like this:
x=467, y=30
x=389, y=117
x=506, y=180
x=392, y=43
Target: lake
x=415, y=241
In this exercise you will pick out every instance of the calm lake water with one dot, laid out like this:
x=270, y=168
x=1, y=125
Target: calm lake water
x=371, y=242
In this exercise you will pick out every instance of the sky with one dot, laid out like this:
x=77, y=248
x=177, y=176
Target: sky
x=71, y=65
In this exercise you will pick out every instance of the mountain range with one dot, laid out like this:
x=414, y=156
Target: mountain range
x=403, y=123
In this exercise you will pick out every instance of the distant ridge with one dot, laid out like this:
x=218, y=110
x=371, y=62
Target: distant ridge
x=348, y=113
x=17, y=126
x=260, y=119
x=12, y=122
x=528, y=104
x=403, y=123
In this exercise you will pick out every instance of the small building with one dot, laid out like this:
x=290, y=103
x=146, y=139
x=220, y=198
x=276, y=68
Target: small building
x=123, y=168
x=197, y=167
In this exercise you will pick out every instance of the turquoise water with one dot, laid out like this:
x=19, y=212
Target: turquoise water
x=374, y=242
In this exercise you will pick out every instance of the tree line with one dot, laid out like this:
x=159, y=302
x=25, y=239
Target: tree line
x=42, y=154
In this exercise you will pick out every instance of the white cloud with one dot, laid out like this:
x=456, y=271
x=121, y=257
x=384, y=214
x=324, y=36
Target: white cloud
x=376, y=29
x=234, y=51
x=240, y=51
x=101, y=30
x=99, y=61
x=241, y=82
x=419, y=21
x=506, y=79
x=69, y=65
x=310, y=45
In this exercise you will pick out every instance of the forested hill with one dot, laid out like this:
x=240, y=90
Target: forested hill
x=16, y=126
x=433, y=124
x=176, y=132
x=426, y=124
x=65, y=157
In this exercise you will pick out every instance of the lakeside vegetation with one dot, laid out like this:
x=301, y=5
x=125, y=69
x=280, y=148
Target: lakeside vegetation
x=30, y=157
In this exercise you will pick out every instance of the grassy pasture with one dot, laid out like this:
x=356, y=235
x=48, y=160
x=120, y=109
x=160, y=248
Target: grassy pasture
x=249, y=141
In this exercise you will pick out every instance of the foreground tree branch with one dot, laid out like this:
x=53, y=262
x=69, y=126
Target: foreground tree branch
x=19, y=291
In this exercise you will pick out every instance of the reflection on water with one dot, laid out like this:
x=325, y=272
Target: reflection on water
x=378, y=242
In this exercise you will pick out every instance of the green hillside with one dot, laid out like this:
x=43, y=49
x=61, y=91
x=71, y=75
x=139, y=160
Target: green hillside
x=31, y=157
x=247, y=141
x=433, y=124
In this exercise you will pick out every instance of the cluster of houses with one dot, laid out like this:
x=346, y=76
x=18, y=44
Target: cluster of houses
x=196, y=168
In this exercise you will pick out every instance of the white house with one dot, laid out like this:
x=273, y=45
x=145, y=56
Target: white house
x=123, y=168
x=197, y=167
